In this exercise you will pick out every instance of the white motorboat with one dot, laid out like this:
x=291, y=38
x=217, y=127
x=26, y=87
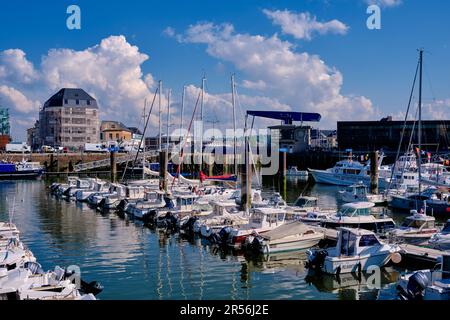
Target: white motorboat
x=31, y=283
x=294, y=172
x=441, y=240
x=359, y=215
x=301, y=206
x=98, y=186
x=261, y=220
x=224, y=213
x=356, y=251
x=111, y=201
x=427, y=284
x=358, y=193
x=346, y=173
x=315, y=217
x=291, y=236
x=416, y=229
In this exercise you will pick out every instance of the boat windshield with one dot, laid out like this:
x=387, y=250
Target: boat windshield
x=413, y=223
x=303, y=202
x=446, y=228
x=368, y=240
x=203, y=207
x=352, y=212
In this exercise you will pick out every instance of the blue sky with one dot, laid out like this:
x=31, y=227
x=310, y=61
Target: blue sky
x=375, y=67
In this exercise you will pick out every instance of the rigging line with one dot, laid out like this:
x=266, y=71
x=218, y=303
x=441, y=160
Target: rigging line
x=251, y=153
x=181, y=153
x=134, y=141
x=145, y=129
x=404, y=125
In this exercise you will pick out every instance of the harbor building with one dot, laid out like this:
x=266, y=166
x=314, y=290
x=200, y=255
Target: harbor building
x=69, y=119
x=366, y=136
x=115, y=131
x=4, y=128
x=33, y=139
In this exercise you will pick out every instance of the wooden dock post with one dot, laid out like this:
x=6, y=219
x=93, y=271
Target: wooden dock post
x=113, y=166
x=163, y=157
x=374, y=175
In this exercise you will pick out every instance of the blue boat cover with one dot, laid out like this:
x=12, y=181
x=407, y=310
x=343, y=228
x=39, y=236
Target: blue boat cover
x=7, y=167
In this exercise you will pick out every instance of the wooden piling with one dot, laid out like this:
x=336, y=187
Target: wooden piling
x=163, y=157
x=374, y=174
x=113, y=166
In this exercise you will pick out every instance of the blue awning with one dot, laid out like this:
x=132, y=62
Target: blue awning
x=287, y=117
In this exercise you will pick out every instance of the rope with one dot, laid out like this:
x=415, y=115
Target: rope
x=185, y=139
x=145, y=129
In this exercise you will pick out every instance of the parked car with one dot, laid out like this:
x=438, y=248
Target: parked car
x=47, y=149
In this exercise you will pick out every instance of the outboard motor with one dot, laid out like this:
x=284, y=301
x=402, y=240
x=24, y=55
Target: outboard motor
x=221, y=237
x=417, y=284
x=317, y=260
x=93, y=287
x=122, y=205
x=189, y=225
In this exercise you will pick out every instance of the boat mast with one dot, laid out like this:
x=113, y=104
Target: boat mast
x=420, y=119
x=159, y=116
x=143, y=152
x=168, y=120
x=233, y=98
x=182, y=112
x=201, y=120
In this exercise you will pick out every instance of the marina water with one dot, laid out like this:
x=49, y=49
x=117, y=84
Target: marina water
x=133, y=261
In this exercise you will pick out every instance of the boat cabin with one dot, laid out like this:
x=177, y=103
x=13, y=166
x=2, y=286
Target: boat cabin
x=351, y=242
x=134, y=192
x=359, y=189
x=305, y=202
x=266, y=218
x=356, y=209
x=185, y=202
x=418, y=221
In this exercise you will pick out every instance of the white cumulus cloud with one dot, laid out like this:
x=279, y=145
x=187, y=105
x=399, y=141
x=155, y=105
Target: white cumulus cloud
x=298, y=79
x=303, y=25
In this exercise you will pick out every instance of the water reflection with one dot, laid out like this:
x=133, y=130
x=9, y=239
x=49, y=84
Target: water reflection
x=350, y=286
x=134, y=261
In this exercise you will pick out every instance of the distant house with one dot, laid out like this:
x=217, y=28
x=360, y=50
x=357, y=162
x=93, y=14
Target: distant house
x=69, y=119
x=323, y=139
x=115, y=131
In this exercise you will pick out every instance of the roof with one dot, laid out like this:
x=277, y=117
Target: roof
x=358, y=232
x=119, y=126
x=307, y=198
x=267, y=210
x=70, y=94
x=359, y=205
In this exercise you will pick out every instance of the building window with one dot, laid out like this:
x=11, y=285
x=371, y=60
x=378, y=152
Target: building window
x=77, y=102
x=88, y=102
x=117, y=136
x=65, y=101
x=110, y=136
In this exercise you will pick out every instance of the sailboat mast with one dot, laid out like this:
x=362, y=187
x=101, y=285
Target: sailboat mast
x=143, y=152
x=420, y=119
x=159, y=116
x=233, y=98
x=168, y=120
x=201, y=120
x=182, y=112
